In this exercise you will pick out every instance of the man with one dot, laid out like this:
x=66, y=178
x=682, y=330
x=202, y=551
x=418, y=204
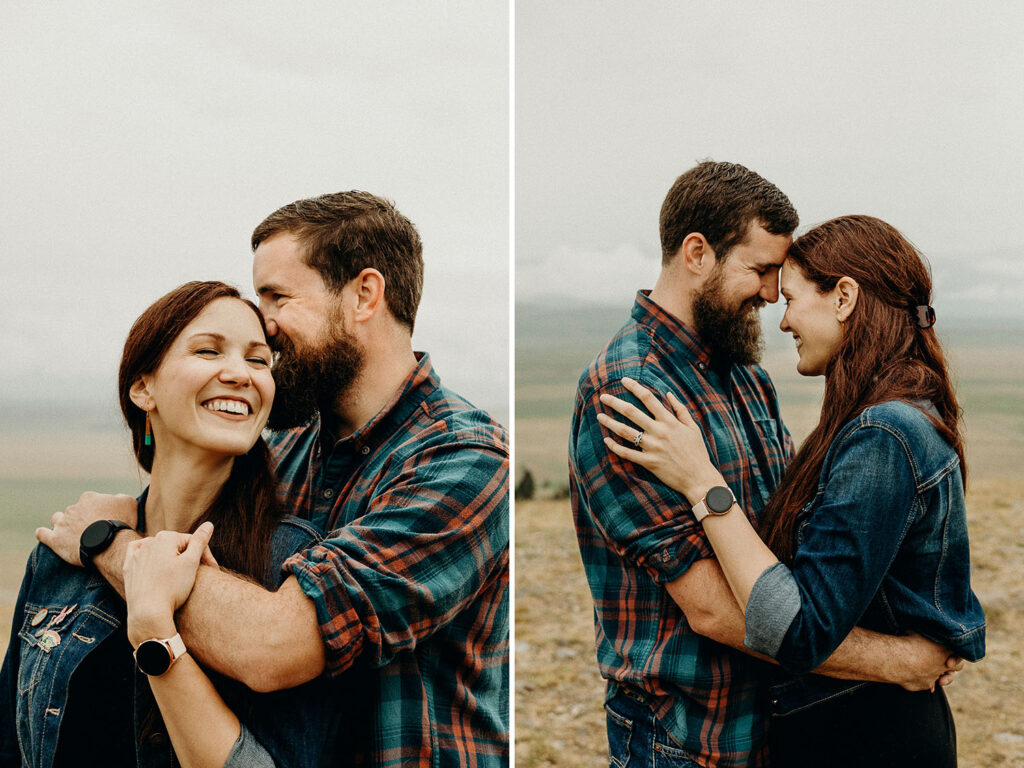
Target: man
x=666, y=622
x=405, y=602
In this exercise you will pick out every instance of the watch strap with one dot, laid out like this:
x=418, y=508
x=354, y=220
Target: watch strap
x=176, y=646
x=702, y=510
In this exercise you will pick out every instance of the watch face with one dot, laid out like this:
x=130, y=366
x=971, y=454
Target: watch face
x=719, y=500
x=95, y=535
x=153, y=658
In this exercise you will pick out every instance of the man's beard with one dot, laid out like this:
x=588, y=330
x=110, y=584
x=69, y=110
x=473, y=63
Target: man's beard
x=734, y=334
x=311, y=379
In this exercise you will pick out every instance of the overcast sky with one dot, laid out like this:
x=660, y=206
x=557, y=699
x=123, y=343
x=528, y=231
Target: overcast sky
x=140, y=143
x=909, y=111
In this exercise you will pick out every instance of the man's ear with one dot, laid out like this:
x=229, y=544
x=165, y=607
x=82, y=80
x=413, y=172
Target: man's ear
x=847, y=290
x=139, y=393
x=368, y=287
x=698, y=257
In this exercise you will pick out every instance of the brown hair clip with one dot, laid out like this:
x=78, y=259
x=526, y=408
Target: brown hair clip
x=925, y=316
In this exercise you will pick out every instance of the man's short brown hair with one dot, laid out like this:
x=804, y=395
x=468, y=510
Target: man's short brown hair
x=344, y=233
x=719, y=200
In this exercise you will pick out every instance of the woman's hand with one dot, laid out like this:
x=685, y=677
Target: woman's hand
x=671, y=446
x=159, y=573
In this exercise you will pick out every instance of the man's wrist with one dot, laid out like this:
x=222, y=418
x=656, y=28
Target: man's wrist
x=110, y=561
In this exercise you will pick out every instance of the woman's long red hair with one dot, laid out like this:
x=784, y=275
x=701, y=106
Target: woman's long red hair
x=883, y=354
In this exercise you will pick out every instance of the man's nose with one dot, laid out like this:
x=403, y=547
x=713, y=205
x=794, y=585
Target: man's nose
x=266, y=309
x=770, y=288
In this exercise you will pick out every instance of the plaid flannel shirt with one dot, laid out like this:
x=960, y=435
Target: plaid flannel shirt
x=411, y=585
x=636, y=534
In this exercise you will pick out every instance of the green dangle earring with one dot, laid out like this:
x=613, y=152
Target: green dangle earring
x=149, y=437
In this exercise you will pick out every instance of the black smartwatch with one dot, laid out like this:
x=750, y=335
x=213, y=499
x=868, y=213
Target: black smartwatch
x=717, y=501
x=97, y=537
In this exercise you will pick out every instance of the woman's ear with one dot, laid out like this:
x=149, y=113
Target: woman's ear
x=846, y=291
x=139, y=394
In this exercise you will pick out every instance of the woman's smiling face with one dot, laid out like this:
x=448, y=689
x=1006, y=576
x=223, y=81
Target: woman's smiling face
x=811, y=318
x=213, y=389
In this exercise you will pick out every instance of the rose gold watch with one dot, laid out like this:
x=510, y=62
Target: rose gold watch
x=717, y=501
x=155, y=656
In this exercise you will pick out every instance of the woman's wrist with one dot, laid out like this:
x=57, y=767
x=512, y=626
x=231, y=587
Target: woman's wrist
x=699, y=487
x=142, y=627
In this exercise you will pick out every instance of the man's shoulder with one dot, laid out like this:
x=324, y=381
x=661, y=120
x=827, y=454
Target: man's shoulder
x=630, y=352
x=446, y=416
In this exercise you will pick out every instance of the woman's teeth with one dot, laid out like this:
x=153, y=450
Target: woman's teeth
x=230, y=406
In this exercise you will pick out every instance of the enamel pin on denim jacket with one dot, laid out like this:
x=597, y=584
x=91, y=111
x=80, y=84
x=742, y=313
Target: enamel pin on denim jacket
x=64, y=613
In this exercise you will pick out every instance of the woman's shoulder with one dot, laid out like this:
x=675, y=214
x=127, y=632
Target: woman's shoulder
x=901, y=418
x=53, y=579
x=905, y=423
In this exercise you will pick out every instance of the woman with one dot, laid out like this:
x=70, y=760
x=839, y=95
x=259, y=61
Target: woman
x=195, y=388
x=867, y=526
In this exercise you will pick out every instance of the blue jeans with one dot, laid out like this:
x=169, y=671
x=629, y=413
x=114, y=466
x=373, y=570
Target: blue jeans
x=637, y=740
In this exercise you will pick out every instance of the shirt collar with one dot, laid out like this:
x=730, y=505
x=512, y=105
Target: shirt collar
x=418, y=385
x=670, y=330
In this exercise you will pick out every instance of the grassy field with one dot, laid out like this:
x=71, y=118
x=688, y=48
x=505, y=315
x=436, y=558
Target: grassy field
x=559, y=719
x=47, y=459
x=559, y=692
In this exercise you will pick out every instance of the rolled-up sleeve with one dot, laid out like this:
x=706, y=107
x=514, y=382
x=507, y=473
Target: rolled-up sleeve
x=434, y=532
x=773, y=604
x=248, y=753
x=649, y=523
x=846, y=549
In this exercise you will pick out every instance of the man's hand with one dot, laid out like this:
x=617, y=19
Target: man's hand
x=68, y=525
x=953, y=665
x=924, y=663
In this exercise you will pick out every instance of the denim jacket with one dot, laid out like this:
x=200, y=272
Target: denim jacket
x=283, y=728
x=882, y=545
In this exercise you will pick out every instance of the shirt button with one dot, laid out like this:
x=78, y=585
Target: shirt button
x=702, y=365
x=365, y=450
x=328, y=493
x=157, y=739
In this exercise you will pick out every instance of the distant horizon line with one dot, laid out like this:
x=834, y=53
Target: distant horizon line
x=955, y=309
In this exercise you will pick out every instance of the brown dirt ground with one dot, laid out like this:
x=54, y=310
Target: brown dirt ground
x=559, y=719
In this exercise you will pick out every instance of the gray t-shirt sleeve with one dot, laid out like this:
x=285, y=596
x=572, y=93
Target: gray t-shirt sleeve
x=774, y=603
x=248, y=753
